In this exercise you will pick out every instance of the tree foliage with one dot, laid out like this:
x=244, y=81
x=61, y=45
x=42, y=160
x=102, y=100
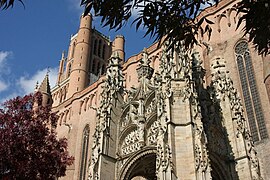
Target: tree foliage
x=5, y=4
x=172, y=19
x=256, y=15
x=29, y=148
x=176, y=19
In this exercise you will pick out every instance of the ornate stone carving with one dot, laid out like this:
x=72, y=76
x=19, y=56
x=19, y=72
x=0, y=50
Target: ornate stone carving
x=113, y=84
x=131, y=142
x=160, y=127
x=144, y=69
x=224, y=88
x=152, y=107
x=182, y=61
x=152, y=133
x=131, y=116
x=193, y=86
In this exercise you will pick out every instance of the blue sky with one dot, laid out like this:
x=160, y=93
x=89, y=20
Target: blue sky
x=33, y=39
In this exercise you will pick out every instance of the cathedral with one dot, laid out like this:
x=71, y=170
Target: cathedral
x=166, y=114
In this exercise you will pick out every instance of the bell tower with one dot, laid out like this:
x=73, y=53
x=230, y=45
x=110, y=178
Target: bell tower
x=79, y=69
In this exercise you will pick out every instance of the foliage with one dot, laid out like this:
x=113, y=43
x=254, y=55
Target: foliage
x=175, y=19
x=29, y=148
x=256, y=15
x=171, y=18
x=5, y=4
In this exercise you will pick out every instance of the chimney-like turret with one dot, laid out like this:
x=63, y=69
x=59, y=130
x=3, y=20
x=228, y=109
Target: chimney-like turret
x=119, y=46
x=79, y=70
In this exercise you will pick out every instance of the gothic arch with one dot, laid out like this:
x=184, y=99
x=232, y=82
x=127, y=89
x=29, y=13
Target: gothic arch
x=142, y=163
x=151, y=119
x=250, y=92
x=218, y=171
x=150, y=98
x=126, y=131
x=84, y=152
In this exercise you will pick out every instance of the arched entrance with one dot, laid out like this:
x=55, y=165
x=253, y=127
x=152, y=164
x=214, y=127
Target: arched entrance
x=219, y=171
x=140, y=166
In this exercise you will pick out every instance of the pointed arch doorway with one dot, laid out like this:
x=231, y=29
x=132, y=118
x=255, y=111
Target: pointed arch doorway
x=141, y=166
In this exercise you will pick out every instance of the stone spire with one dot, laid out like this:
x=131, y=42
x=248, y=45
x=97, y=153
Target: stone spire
x=45, y=90
x=45, y=85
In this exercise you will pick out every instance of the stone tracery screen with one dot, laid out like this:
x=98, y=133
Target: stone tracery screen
x=250, y=92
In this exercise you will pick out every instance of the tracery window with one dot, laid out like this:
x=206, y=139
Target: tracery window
x=250, y=92
x=84, y=152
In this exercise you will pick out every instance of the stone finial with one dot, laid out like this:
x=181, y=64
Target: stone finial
x=144, y=69
x=63, y=55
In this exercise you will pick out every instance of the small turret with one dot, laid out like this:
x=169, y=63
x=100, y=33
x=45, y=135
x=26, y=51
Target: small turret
x=119, y=46
x=79, y=70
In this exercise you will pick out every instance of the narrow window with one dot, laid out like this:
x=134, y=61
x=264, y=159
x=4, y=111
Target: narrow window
x=69, y=70
x=103, y=51
x=99, y=48
x=93, y=66
x=95, y=47
x=84, y=152
x=250, y=92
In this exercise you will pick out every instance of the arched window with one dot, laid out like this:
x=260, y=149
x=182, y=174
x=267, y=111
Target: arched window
x=99, y=48
x=250, y=92
x=93, y=66
x=84, y=152
x=103, y=51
